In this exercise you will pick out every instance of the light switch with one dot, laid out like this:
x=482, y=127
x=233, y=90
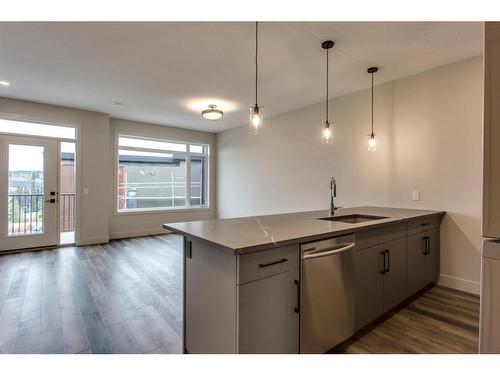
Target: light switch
x=86, y=191
x=415, y=195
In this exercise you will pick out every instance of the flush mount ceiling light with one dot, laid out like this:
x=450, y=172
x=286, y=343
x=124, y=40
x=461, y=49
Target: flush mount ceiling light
x=327, y=127
x=4, y=83
x=212, y=113
x=372, y=142
x=256, y=117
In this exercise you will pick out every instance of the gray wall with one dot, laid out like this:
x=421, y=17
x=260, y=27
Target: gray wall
x=428, y=129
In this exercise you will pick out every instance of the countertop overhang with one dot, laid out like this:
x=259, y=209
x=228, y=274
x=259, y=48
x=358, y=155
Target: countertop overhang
x=254, y=233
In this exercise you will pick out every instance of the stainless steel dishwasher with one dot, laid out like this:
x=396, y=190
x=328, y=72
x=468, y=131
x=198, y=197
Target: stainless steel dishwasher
x=327, y=293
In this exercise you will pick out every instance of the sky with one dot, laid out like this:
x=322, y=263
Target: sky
x=30, y=158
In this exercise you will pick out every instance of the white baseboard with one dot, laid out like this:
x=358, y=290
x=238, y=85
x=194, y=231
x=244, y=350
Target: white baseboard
x=460, y=284
x=92, y=240
x=138, y=233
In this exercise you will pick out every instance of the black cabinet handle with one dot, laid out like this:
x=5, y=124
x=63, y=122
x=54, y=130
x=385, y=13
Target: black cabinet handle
x=427, y=245
x=424, y=224
x=189, y=249
x=388, y=268
x=297, y=308
x=282, y=260
x=383, y=253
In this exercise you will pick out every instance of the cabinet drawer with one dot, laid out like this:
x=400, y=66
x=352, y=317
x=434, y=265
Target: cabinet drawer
x=255, y=266
x=373, y=237
x=422, y=224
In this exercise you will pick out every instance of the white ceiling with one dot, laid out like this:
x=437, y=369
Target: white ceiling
x=168, y=72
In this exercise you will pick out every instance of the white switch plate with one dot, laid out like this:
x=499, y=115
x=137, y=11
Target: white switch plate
x=415, y=195
x=86, y=191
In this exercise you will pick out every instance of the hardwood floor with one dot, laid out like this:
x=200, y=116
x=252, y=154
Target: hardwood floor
x=122, y=297
x=441, y=320
x=126, y=297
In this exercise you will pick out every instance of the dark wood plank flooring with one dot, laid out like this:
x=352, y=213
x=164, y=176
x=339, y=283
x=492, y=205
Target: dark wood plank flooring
x=440, y=321
x=122, y=297
x=126, y=297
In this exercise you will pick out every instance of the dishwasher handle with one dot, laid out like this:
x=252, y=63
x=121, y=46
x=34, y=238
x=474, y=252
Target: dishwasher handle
x=328, y=252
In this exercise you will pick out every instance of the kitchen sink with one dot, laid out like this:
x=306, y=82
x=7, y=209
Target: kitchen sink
x=353, y=219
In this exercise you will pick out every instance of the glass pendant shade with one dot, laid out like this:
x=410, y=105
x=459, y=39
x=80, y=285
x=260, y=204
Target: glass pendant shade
x=256, y=119
x=327, y=132
x=372, y=143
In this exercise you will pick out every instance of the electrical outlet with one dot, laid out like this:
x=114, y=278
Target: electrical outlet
x=415, y=195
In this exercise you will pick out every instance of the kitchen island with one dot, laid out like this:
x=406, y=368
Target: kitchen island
x=242, y=276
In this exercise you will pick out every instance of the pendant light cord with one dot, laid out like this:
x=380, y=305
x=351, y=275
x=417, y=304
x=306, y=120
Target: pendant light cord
x=327, y=80
x=256, y=59
x=372, y=103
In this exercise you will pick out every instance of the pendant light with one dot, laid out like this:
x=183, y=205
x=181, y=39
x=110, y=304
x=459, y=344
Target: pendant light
x=256, y=116
x=327, y=127
x=372, y=142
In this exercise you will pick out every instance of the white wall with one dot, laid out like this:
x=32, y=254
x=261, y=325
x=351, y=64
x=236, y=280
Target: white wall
x=93, y=132
x=96, y=218
x=138, y=224
x=438, y=150
x=428, y=129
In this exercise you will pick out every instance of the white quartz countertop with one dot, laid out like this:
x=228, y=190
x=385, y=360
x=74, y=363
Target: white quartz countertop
x=247, y=234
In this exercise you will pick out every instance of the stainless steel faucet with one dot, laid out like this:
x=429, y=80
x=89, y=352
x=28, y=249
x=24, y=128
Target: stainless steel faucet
x=333, y=194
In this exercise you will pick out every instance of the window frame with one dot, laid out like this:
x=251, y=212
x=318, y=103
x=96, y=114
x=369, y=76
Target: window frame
x=187, y=154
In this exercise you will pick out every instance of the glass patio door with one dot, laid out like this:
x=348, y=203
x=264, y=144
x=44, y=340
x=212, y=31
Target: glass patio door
x=29, y=192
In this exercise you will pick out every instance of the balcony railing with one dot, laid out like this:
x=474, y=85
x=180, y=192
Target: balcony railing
x=26, y=213
x=67, y=205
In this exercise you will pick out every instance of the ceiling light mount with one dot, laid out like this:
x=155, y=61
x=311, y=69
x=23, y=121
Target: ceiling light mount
x=327, y=44
x=372, y=70
x=212, y=113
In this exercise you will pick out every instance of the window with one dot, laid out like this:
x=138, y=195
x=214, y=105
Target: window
x=33, y=128
x=158, y=174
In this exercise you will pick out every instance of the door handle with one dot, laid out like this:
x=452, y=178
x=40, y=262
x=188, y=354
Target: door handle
x=426, y=245
x=297, y=308
x=388, y=268
x=189, y=249
x=327, y=252
x=52, y=200
x=383, y=253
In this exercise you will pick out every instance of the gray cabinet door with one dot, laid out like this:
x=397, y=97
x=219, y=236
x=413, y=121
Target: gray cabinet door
x=416, y=263
x=210, y=300
x=432, y=257
x=368, y=266
x=268, y=320
x=395, y=278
